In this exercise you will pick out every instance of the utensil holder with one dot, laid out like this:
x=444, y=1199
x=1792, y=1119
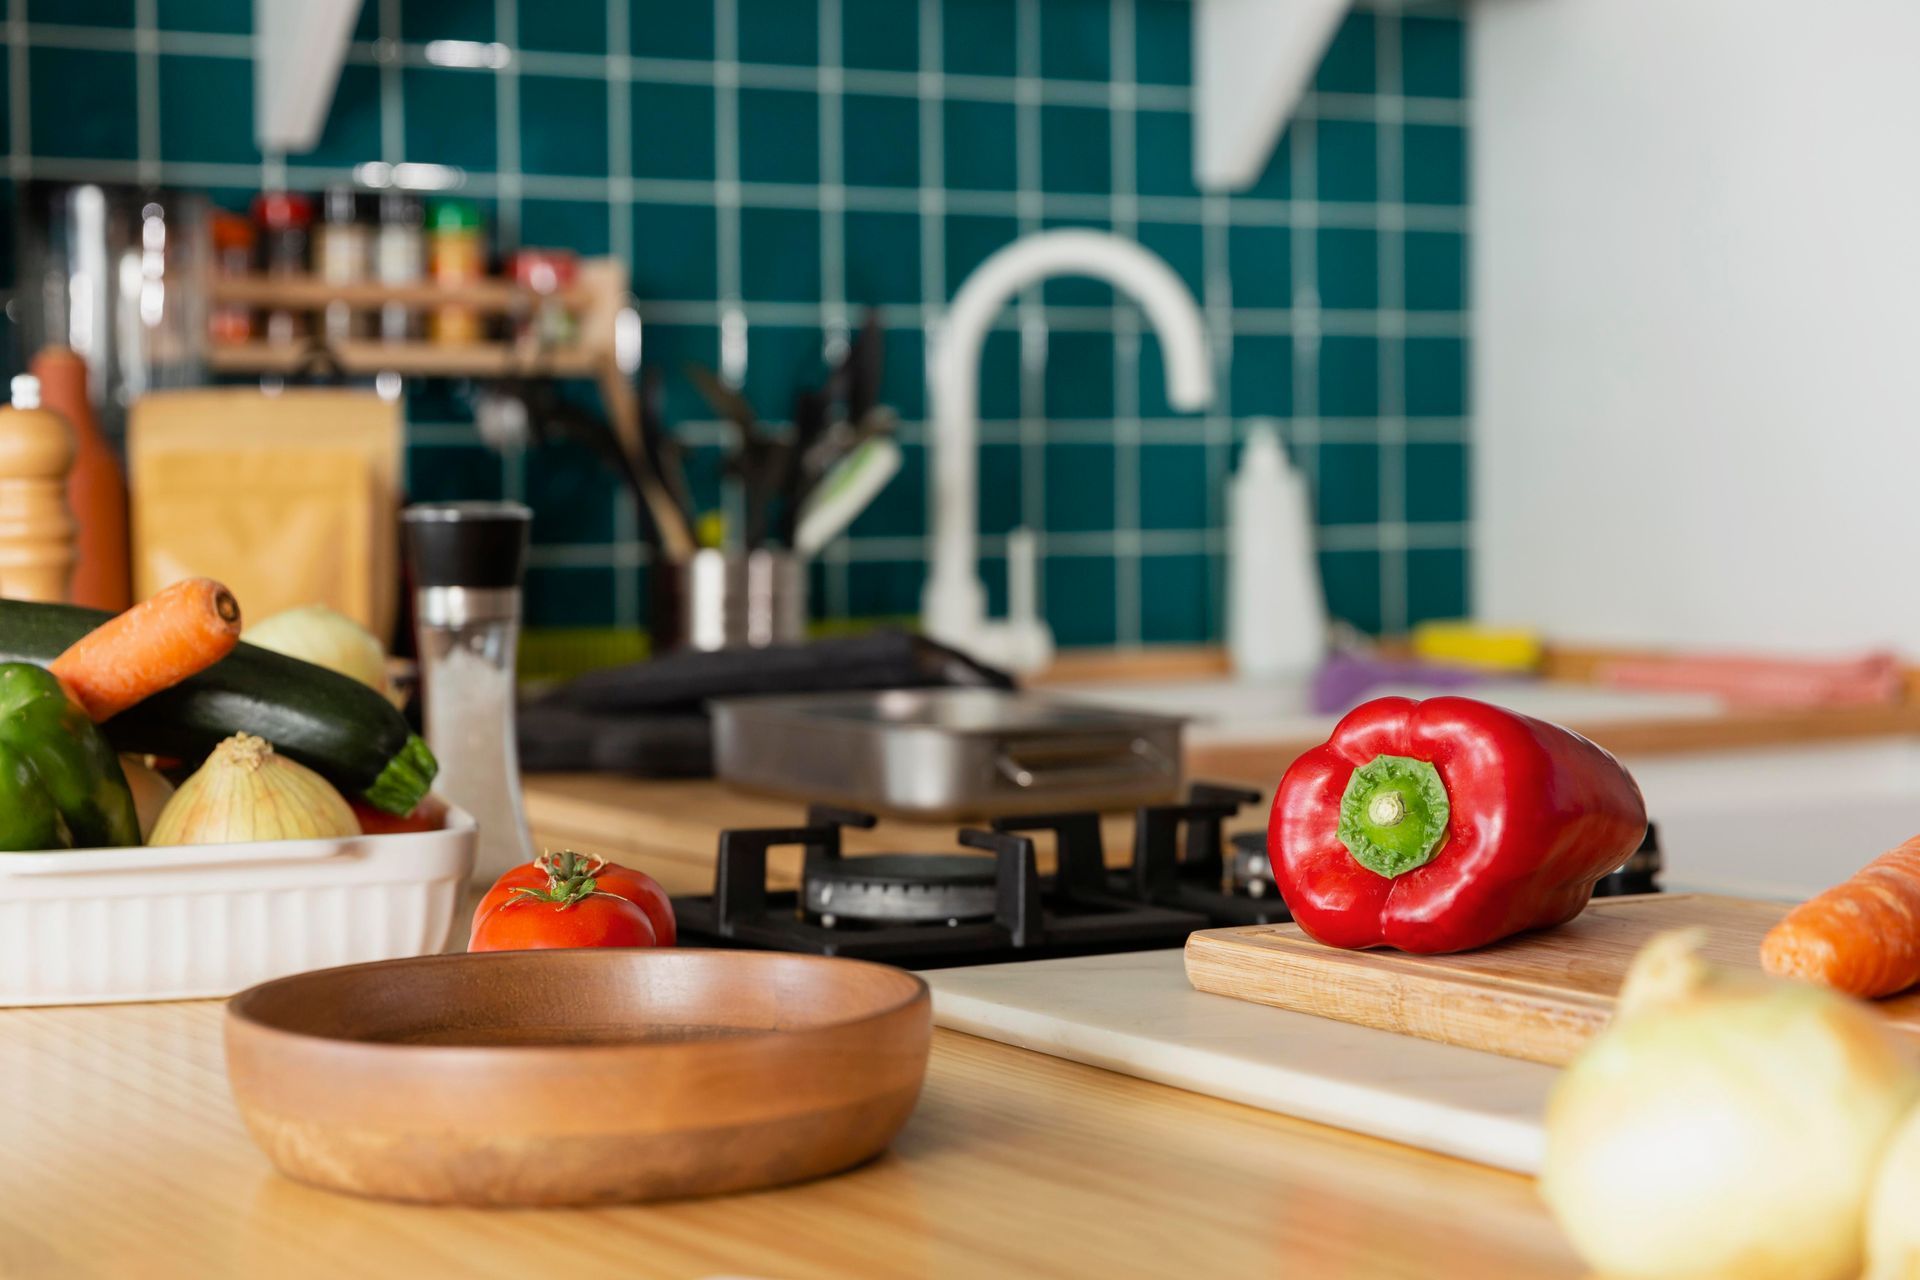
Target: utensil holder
x=715, y=600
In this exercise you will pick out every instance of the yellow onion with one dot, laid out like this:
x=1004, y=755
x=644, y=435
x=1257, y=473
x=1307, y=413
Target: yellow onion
x=325, y=637
x=1893, y=1217
x=1726, y=1126
x=150, y=791
x=246, y=792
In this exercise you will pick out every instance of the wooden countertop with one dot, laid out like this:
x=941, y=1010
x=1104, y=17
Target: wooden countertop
x=124, y=1157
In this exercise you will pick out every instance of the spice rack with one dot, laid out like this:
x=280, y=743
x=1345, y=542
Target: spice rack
x=595, y=299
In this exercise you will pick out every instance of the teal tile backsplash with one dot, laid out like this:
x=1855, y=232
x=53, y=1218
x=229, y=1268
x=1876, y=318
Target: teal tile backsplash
x=773, y=167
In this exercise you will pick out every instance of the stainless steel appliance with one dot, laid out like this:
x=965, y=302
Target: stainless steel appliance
x=115, y=273
x=985, y=902
x=947, y=752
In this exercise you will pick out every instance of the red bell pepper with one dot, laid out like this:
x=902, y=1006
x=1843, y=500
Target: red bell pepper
x=1447, y=824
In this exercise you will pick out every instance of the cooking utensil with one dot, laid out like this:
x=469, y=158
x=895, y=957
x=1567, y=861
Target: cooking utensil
x=184, y=922
x=848, y=488
x=947, y=752
x=758, y=462
x=1539, y=996
x=666, y=454
x=577, y=1076
x=810, y=409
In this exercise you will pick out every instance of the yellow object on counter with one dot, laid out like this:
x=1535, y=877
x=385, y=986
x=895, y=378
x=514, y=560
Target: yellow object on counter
x=1469, y=644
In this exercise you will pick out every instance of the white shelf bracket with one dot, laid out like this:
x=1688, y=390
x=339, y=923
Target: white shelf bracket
x=301, y=46
x=1252, y=60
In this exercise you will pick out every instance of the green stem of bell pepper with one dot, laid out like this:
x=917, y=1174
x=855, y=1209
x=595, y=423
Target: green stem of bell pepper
x=1394, y=814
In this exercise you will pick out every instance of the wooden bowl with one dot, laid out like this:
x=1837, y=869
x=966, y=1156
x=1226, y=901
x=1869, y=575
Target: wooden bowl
x=577, y=1077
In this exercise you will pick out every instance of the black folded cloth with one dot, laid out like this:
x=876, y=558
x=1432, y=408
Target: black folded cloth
x=650, y=719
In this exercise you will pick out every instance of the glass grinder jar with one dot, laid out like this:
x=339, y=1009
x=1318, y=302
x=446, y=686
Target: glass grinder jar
x=468, y=560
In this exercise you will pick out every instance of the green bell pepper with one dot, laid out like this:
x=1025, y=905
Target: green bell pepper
x=61, y=786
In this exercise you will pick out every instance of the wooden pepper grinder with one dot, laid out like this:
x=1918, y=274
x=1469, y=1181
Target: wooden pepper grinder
x=36, y=528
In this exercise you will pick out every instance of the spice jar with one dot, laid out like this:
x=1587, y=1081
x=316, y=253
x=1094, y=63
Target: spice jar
x=547, y=273
x=342, y=254
x=284, y=219
x=232, y=237
x=399, y=258
x=456, y=255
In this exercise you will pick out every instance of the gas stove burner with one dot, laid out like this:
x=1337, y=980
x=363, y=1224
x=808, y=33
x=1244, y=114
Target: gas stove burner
x=1249, y=869
x=925, y=911
x=901, y=888
x=1182, y=859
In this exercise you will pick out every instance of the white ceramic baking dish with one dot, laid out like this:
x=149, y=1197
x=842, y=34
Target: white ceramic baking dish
x=97, y=926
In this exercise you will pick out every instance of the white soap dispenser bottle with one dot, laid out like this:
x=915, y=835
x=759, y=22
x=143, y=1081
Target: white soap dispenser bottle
x=1276, y=614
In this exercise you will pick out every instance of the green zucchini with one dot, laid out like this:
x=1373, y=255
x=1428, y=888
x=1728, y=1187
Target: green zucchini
x=334, y=725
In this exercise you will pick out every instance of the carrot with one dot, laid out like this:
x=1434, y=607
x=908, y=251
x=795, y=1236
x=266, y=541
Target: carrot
x=181, y=630
x=1862, y=936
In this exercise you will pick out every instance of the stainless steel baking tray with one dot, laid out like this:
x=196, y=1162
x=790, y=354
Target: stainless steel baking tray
x=948, y=753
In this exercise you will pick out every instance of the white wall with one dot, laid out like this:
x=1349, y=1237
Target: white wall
x=1697, y=320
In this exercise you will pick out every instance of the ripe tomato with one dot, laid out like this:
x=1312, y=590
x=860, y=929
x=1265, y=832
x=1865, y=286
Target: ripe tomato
x=429, y=815
x=528, y=924
x=556, y=878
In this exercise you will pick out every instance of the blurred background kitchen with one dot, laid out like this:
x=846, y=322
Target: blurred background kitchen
x=1235, y=360
x=767, y=173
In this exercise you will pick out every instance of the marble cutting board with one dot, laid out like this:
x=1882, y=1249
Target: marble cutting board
x=1135, y=1014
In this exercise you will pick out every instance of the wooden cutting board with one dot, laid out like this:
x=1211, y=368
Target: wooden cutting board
x=1539, y=996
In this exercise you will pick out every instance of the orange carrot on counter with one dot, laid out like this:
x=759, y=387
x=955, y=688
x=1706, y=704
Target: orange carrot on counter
x=180, y=631
x=1862, y=936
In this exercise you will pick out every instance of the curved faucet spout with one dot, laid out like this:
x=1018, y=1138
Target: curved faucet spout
x=954, y=605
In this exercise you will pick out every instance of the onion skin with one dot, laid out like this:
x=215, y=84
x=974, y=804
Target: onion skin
x=1893, y=1218
x=244, y=792
x=150, y=791
x=1727, y=1126
x=325, y=637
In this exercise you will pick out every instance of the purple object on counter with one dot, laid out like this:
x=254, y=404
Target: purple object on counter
x=1347, y=679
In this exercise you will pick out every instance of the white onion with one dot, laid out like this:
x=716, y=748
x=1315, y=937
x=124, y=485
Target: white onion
x=1726, y=1125
x=245, y=792
x=1893, y=1217
x=150, y=791
x=314, y=633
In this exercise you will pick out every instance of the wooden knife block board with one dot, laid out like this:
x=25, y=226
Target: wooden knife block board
x=1539, y=996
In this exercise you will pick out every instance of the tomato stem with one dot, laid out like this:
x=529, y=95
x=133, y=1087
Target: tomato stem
x=570, y=879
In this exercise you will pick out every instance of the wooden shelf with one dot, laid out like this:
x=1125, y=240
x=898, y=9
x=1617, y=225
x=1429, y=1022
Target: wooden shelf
x=307, y=293
x=362, y=357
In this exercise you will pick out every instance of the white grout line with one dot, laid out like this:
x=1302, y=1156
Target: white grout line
x=1093, y=545
x=726, y=187
x=1392, y=494
x=1217, y=429
x=146, y=81
x=597, y=190
x=1029, y=312
x=832, y=188
x=1305, y=317
x=1126, y=323
x=1350, y=106
x=626, y=516
x=833, y=250
x=393, y=117
x=506, y=120
x=506, y=125
x=19, y=118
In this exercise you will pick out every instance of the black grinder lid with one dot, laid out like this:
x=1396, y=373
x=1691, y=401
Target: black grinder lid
x=467, y=544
